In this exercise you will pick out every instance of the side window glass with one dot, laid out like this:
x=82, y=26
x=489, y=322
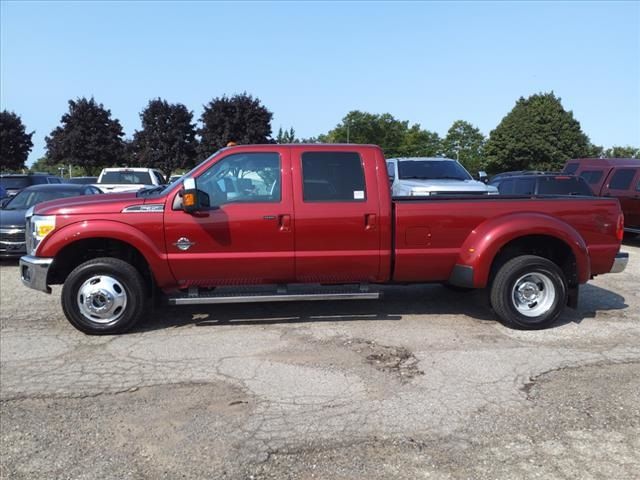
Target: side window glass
x=621, y=180
x=571, y=168
x=506, y=187
x=243, y=177
x=638, y=186
x=390, y=170
x=592, y=176
x=524, y=186
x=332, y=177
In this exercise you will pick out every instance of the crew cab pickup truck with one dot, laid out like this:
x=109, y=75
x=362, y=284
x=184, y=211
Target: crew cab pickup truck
x=307, y=222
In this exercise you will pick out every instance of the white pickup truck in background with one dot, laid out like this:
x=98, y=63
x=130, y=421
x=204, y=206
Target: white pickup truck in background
x=426, y=176
x=119, y=180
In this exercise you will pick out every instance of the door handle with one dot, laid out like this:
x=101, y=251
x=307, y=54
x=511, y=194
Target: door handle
x=285, y=223
x=370, y=221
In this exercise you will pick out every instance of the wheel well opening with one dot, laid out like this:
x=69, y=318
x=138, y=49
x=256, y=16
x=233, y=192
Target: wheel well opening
x=83, y=250
x=546, y=246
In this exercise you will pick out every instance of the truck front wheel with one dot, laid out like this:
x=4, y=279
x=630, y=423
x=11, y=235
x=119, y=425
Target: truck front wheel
x=529, y=292
x=104, y=296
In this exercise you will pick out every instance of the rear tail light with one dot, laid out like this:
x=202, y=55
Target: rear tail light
x=620, y=227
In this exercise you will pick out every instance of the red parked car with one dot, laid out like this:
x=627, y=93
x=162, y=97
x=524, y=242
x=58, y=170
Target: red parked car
x=613, y=177
x=293, y=216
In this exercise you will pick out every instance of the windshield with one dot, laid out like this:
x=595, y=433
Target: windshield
x=28, y=198
x=432, y=170
x=14, y=183
x=169, y=187
x=126, y=177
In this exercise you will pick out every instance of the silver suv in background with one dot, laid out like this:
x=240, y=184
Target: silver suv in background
x=425, y=176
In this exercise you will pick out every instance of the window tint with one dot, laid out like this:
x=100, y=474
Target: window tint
x=524, y=186
x=621, y=180
x=432, y=170
x=506, y=187
x=126, y=177
x=332, y=177
x=563, y=186
x=592, y=176
x=570, y=168
x=243, y=177
x=14, y=183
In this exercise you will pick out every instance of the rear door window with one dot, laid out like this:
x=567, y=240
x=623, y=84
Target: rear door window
x=333, y=177
x=622, y=178
x=524, y=186
x=563, y=186
x=506, y=187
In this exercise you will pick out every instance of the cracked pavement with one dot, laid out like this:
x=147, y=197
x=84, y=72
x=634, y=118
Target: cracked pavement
x=424, y=383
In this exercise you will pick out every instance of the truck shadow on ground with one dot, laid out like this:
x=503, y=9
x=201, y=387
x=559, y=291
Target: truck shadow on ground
x=398, y=301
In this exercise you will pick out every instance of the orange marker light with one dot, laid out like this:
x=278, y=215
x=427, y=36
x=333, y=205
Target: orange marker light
x=189, y=200
x=471, y=250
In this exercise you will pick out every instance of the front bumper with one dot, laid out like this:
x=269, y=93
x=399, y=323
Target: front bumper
x=620, y=262
x=34, y=271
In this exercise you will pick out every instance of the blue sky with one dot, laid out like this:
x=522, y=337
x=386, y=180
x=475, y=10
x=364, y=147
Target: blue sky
x=310, y=63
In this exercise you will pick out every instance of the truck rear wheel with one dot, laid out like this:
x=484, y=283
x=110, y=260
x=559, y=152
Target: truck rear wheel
x=529, y=292
x=104, y=296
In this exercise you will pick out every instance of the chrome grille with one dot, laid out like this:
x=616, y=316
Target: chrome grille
x=13, y=235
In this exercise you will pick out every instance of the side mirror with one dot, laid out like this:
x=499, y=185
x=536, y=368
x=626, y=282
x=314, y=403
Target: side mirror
x=391, y=179
x=193, y=200
x=482, y=176
x=4, y=201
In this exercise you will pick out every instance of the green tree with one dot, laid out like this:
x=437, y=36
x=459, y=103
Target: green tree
x=87, y=137
x=286, y=136
x=394, y=136
x=363, y=127
x=15, y=142
x=622, y=152
x=465, y=143
x=240, y=118
x=537, y=134
x=167, y=140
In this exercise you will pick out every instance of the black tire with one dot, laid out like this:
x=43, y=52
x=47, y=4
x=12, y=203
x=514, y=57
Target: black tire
x=122, y=277
x=539, y=278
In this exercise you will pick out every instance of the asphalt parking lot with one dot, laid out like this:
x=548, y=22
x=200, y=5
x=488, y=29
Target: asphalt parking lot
x=423, y=384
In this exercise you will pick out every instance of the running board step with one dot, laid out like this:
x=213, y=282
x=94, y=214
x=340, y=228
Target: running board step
x=255, y=297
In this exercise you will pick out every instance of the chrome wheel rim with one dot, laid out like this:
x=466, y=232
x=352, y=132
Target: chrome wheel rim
x=533, y=294
x=102, y=299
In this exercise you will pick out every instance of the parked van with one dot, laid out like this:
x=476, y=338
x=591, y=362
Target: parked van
x=613, y=177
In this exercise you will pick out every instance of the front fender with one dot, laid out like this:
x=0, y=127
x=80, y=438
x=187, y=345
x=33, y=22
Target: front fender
x=53, y=243
x=485, y=241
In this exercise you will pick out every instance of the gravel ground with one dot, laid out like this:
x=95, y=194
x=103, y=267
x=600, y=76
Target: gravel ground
x=424, y=384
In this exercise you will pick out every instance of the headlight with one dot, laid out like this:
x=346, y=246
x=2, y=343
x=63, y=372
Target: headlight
x=38, y=227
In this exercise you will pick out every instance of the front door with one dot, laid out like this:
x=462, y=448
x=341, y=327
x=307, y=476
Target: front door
x=337, y=229
x=246, y=237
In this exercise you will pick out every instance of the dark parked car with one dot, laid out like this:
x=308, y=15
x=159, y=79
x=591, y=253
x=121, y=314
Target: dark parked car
x=14, y=182
x=82, y=180
x=541, y=184
x=12, y=221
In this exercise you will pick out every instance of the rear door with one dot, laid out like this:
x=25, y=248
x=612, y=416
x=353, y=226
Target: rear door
x=623, y=184
x=337, y=215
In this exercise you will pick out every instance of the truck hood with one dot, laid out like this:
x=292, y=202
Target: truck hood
x=446, y=185
x=12, y=218
x=92, y=204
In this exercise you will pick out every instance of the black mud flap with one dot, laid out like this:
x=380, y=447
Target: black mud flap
x=574, y=294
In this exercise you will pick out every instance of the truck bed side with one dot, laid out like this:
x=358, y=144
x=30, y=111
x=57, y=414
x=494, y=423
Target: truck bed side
x=432, y=236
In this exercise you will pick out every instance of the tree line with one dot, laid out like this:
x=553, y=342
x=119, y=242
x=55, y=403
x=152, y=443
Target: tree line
x=538, y=133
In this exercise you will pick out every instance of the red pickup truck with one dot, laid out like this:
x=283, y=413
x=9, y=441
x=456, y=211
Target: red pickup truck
x=268, y=223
